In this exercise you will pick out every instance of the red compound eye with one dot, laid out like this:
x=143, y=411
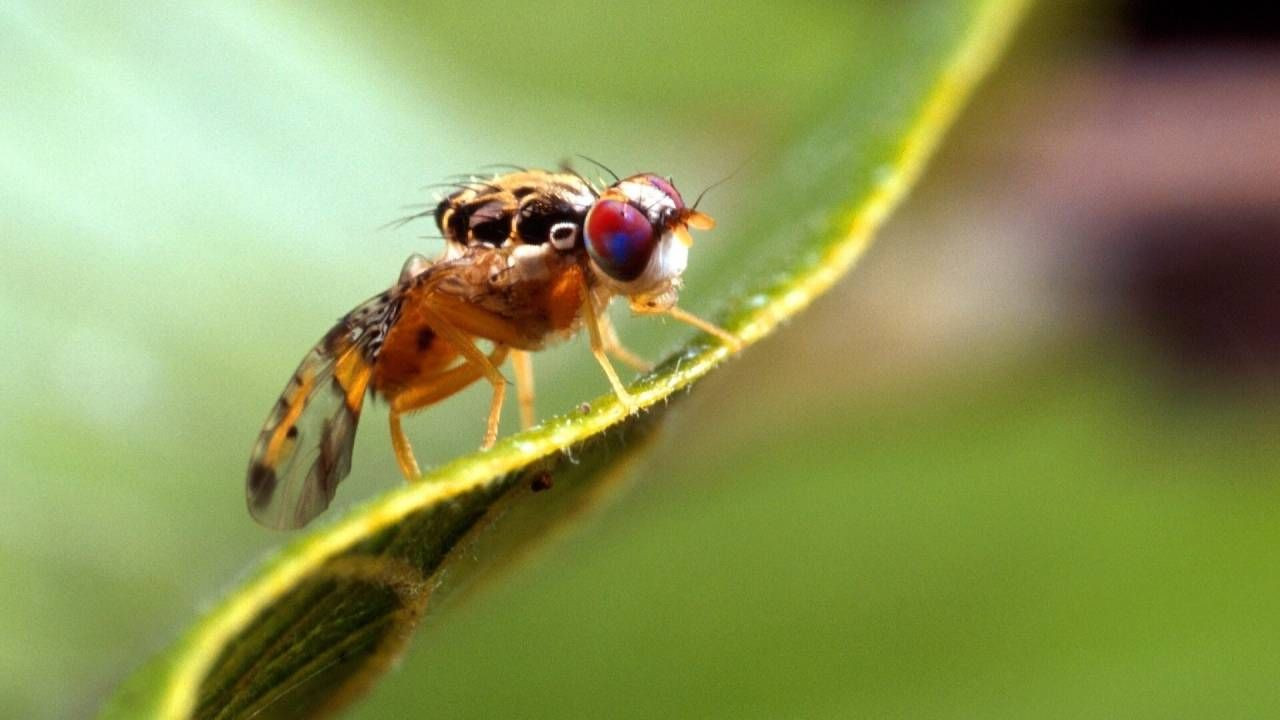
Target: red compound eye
x=620, y=239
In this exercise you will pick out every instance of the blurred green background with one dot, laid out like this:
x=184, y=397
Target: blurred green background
x=1023, y=462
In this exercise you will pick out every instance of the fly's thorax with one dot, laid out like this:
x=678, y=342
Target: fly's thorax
x=535, y=264
x=520, y=208
x=517, y=282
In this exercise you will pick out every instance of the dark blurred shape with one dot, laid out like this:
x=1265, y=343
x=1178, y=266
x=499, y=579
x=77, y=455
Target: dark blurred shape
x=1154, y=22
x=1200, y=272
x=1204, y=284
x=1155, y=170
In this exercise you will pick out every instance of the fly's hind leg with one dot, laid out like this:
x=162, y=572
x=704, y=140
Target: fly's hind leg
x=419, y=396
x=522, y=361
x=463, y=343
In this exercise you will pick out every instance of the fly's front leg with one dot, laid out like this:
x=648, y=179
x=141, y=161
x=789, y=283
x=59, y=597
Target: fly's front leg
x=729, y=339
x=614, y=347
x=591, y=314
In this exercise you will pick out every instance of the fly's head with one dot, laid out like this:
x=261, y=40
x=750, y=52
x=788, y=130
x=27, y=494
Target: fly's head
x=637, y=239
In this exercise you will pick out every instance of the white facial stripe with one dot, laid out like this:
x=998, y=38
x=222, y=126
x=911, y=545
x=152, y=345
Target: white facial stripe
x=647, y=196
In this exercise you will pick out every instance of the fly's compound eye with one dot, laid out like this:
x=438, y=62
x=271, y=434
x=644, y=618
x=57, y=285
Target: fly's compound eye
x=564, y=235
x=620, y=239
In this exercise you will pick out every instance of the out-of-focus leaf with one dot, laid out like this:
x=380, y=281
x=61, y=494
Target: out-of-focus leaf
x=319, y=623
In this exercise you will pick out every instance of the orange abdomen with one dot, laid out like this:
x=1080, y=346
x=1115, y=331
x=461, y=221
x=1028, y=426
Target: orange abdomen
x=411, y=354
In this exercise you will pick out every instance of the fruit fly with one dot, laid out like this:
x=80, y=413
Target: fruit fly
x=530, y=257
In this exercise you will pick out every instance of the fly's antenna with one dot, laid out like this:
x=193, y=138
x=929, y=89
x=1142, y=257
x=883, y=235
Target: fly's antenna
x=713, y=186
x=722, y=180
x=602, y=166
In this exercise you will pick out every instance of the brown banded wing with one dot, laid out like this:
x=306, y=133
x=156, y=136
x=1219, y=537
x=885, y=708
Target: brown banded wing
x=304, y=449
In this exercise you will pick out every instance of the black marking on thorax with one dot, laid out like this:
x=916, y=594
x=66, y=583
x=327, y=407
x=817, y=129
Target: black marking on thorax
x=520, y=207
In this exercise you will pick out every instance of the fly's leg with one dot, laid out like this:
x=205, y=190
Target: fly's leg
x=465, y=345
x=419, y=396
x=522, y=361
x=592, y=316
x=729, y=339
x=403, y=450
x=614, y=347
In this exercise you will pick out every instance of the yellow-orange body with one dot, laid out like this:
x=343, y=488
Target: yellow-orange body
x=516, y=274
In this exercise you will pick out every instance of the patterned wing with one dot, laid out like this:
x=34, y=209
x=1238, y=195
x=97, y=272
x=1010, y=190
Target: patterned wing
x=304, y=449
